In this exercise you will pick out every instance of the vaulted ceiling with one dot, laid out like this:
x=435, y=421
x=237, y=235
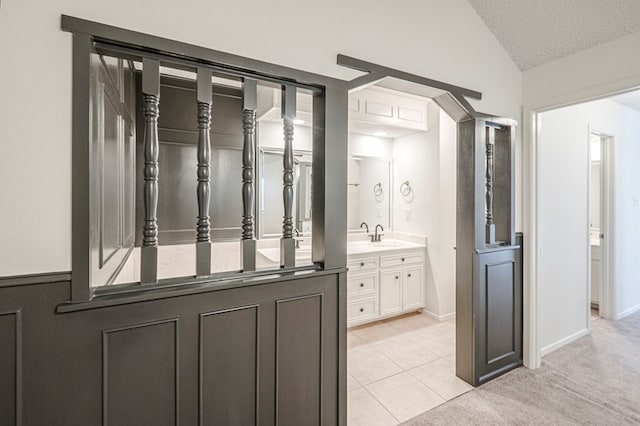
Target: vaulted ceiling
x=535, y=32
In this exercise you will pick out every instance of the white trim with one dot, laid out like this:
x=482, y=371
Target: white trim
x=562, y=342
x=628, y=312
x=607, y=305
x=445, y=317
x=531, y=203
x=601, y=203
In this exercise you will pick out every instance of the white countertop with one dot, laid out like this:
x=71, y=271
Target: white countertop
x=360, y=247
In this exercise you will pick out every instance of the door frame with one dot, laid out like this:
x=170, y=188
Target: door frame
x=606, y=307
x=532, y=208
x=453, y=100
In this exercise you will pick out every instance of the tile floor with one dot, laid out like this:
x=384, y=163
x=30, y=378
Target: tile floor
x=399, y=368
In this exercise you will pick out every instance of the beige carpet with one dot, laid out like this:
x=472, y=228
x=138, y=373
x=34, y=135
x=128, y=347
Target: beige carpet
x=595, y=380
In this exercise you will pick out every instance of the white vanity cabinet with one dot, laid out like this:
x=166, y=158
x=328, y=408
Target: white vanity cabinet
x=401, y=282
x=384, y=285
x=362, y=289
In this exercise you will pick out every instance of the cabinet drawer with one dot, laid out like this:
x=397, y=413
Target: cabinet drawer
x=362, y=310
x=402, y=259
x=362, y=284
x=363, y=264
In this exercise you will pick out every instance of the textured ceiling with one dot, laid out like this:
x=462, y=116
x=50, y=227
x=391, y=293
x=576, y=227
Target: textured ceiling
x=535, y=32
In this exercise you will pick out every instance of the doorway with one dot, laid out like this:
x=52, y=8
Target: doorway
x=599, y=189
x=586, y=215
x=401, y=286
x=488, y=251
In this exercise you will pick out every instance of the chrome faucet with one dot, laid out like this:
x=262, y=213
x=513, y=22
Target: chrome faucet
x=366, y=227
x=376, y=238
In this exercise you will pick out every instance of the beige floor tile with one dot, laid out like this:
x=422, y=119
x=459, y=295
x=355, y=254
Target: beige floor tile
x=451, y=359
x=440, y=376
x=367, y=365
x=364, y=410
x=354, y=341
x=375, y=332
x=406, y=352
x=448, y=327
x=411, y=322
x=437, y=341
x=352, y=384
x=404, y=396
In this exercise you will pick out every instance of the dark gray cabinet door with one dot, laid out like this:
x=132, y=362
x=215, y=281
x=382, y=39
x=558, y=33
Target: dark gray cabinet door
x=499, y=312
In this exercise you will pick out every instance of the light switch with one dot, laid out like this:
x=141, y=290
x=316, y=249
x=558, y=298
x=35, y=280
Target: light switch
x=407, y=215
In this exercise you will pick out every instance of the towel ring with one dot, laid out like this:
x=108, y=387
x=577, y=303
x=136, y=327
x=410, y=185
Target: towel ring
x=405, y=189
x=377, y=189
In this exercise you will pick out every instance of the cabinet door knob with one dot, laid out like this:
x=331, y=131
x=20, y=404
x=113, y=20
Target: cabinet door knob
x=361, y=284
x=397, y=277
x=403, y=259
x=361, y=309
x=409, y=275
x=361, y=263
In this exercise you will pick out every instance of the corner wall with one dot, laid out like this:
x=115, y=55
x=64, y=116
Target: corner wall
x=564, y=226
x=590, y=74
x=428, y=161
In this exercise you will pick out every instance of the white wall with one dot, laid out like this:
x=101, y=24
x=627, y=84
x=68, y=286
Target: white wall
x=447, y=205
x=564, y=227
x=35, y=159
x=428, y=161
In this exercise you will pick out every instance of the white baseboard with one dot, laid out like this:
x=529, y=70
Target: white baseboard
x=628, y=312
x=445, y=317
x=562, y=342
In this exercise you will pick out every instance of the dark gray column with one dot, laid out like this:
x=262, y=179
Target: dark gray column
x=287, y=244
x=488, y=266
x=330, y=123
x=151, y=97
x=203, y=238
x=249, y=104
x=81, y=225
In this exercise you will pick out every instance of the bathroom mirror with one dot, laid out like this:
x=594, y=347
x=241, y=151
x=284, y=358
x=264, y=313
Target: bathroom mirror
x=368, y=192
x=270, y=206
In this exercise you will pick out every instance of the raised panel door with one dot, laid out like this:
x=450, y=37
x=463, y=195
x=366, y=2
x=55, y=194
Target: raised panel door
x=412, y=288
x=390, y=291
